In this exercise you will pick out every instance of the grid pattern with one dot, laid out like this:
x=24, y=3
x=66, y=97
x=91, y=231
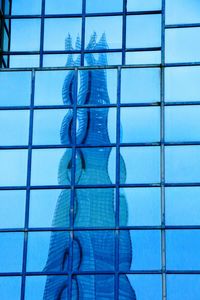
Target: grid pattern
x=158, y=139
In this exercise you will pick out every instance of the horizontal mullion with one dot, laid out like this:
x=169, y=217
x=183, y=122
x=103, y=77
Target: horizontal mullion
x=170, y=26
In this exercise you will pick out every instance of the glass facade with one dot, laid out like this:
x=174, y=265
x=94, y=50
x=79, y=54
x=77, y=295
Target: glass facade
x=99, y=150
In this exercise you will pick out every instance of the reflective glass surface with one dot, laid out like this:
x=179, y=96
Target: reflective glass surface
x=10, y=288
x=182, y=11
x=142, y=5
x=63, y=7
x=143, y=57
x=183, y=286
x=20, y=61
x=23, y=7
x=100, y=6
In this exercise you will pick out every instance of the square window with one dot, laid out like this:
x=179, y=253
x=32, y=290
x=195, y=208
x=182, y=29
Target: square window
x=183, y=287
x=10, y=288
x=182, y=11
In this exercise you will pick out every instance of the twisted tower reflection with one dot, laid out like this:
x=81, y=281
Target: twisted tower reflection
x=92, y=250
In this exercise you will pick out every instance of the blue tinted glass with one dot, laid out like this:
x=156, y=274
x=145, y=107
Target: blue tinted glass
x=12, y=209
x=182, y=164
x=24, y=7
x=103, y=32
x=182, y=45
x=47, y=202
x=142, y=165
x=20, y=61
x=57, y=31
x=135, y=5
x=112, y=59
x=140, y=207
x=16, y=123
x=13, y=167
x=51, y=167
x=63, y=7
x=140, y=124
x=182, y=11
x=59, y=60
x=143, y=31
x=25, y=35
x=182, y=206
x=145, y=57
x=12, y=93
x=183, y=287
x=11, y=251
x=182, y=84
x=133, y=82
x=10, y=288
x=104, y=6
x=182, y=123
x=182, y=253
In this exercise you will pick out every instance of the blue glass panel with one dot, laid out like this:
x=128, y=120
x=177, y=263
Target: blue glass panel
x=182, y=249
x=143, y=57
x=142, y=5
x=59, y=60
x=182, y=84
x=145, y=286
x=182, y=45
x=103, y=32
x=63, y=7
x=183, y=287
x=61, y=34
x=142, y=165
x=182, y=164
x=12, y=93
x=24, y=7
x=11, y=251
x=146, y=246
x=182, y=123
x=47, y=251
x=140, y=207
x=12, y=209
x=100, y=6
x=113, y=59
x=140, y=124
x=182, y=11
x=182, y=206
x=13, y=167
x=47, y=202
x=51, y=167
x=25, y=34
x=143, y=31
x=10, y=288
x=133, y=82
x=20, y=61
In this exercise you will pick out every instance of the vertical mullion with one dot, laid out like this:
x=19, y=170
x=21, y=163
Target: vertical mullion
x=124, y=32
x=28, y=183
x=162, y=116
x=83, y=31
x=42, y=33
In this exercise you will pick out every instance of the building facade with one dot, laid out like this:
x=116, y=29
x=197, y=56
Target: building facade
x=99, y=150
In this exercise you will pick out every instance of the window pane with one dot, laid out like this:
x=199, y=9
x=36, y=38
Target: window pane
x=135, y=5
x=183, y=206
x=144, y=286
x=102, y=59
x=140, y=207
x=142, y=165
x=182, y=123
x=12, y=209
x=16, y=123
x=98, y=204
x=182, y=11
x=145, y=250
x=10, y=288
x=48, y=125
x=11, y=251
x=60, y=60
x=51, y=167
x=143, y=57
x=24, y=7
x=47, y=250
x=182, y=45
x=182, y=84
x=133, y=82
x=25, y=34
x=101, y=86
x=49, y=87
x=63, y=7
x=140, y=124
x=143, y=31
x=99, y=164
x=103, y=32
x=182, y=164
x=13, y=167
x=53, y=206
x=15, y=96
x=182, y=253
x=183, y=287
x=100, y=6
x=57, y=31
x=20, y=61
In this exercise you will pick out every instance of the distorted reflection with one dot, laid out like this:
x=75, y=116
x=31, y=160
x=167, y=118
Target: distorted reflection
x=92, y=250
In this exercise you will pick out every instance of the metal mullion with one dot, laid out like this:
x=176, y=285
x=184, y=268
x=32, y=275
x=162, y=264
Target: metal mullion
x=42, y=32
x=177, y=26
x=124, y=32
x=28, y=188
x=83, y=31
